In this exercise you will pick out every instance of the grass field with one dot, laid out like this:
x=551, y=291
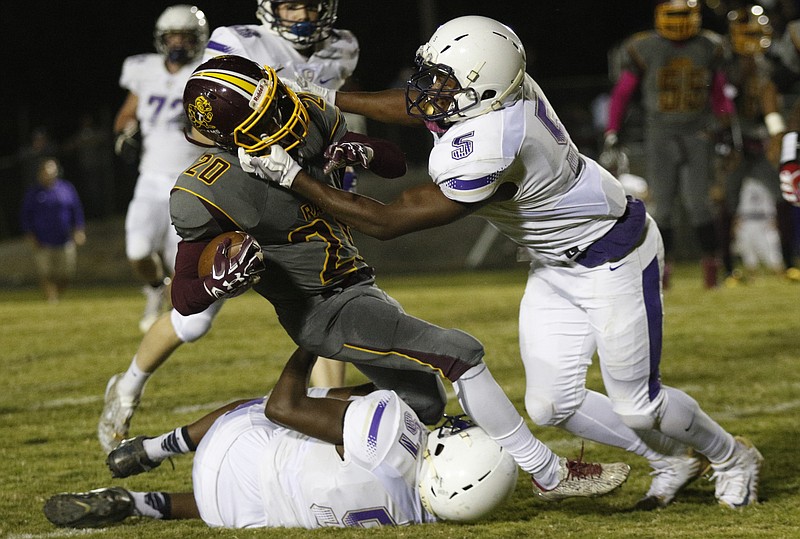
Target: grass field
x=734, y=350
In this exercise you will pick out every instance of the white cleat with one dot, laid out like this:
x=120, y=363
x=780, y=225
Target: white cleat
x=584, y=479
x=116, y=417
x=737, y=478
x=670, y=475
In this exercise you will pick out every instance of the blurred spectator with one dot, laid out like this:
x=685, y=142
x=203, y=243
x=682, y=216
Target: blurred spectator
x=91, y=148
x=52, y=220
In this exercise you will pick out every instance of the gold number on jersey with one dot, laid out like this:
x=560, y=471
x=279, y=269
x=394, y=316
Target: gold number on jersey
x=335, y=265
x=682, y=86
x=208, y=168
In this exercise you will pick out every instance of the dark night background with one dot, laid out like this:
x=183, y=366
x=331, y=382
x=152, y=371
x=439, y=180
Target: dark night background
x=62, y=59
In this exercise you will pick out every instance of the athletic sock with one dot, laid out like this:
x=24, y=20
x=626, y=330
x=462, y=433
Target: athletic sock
x=131, y=385
x=152, y=504
x=169, y=444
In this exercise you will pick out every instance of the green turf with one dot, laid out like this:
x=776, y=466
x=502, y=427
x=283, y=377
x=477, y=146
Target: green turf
x=734, y=350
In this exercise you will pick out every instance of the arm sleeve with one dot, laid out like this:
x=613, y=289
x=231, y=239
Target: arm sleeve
x=188, y=294
x=721, y=104
x=389, y=161
x=620, y=97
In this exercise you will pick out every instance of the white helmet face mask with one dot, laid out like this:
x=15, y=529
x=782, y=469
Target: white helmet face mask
x=465, y=474
x=470, y=66
x=301, y=34
x=181, y=19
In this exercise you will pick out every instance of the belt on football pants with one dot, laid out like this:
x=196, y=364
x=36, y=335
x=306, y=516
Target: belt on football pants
x=359, y=276
x=617, y=243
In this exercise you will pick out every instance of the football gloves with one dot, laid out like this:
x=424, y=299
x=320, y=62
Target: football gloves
x=232, y=276
x=790, y=169
x=278, y=166
x=342, y=154
x=301, y=84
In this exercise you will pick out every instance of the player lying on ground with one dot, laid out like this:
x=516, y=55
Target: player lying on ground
x=309, y=458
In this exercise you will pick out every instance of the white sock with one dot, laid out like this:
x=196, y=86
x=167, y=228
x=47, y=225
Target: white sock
x=131, y=385
x=151, y=504
x=167, y=445
x=486, y=403
x=597, y=421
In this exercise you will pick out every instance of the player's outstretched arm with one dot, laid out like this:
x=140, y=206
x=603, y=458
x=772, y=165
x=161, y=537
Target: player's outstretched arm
x=387, y=106
x=289, y=404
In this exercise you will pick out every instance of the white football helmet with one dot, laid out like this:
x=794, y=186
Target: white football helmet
x=182, y=19
x=465, y=474
x=301, y=34
x=470, y=66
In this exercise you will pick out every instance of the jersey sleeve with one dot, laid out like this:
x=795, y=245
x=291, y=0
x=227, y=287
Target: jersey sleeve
x=469, y=165
x=132, y=68
x=382, y=430
x=224, y=40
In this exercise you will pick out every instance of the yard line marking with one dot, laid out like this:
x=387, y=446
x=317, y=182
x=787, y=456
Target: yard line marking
x=58, y=533
x=68, y=401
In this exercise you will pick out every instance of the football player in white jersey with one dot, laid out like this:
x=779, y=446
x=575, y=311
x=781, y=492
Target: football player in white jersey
x=308, y=458
x=297, y=39
x=155, y=84
x=500, y=152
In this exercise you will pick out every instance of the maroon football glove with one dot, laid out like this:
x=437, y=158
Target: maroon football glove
x=232, y=276
x=342, y=154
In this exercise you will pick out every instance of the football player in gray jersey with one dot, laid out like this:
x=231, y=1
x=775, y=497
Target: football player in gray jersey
x=678, y=68
x=305, y=262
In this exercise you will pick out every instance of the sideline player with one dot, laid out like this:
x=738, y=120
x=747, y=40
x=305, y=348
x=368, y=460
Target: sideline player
x=153, y=106
x=679, y=70
x=308, y=458
x=296, y=38
x=501, y=153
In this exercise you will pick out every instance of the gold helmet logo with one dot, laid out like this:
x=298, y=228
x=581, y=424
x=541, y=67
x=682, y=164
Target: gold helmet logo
x=201, y=114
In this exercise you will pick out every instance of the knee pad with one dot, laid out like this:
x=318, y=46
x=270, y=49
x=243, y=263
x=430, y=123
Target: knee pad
x=541, y=410
x=137, y=247
x=639, y=422
x=192, y=327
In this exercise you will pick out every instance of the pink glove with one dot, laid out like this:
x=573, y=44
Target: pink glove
x=342, y=154
x=232, y=276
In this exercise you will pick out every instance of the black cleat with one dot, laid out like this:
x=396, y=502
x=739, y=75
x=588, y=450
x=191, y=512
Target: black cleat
x=130, y=458
x=91, y=509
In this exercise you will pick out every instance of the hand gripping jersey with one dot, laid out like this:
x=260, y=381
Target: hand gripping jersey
x=564, y=201
x=333, y=60
x=165, y=150
x=676, y=77
x=306, y=252
x=250, y=472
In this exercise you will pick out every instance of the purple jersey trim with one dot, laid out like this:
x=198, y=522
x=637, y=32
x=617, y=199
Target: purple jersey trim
x=458, y=184
x=620, y=240
x=372, y=437
x=215, y=46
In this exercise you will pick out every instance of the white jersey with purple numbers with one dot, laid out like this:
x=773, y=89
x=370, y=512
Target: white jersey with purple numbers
x=329, y=66
x=250, y=472
x=165, y=150
x=564, y=201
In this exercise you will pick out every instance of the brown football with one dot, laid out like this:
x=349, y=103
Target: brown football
x=207, y=256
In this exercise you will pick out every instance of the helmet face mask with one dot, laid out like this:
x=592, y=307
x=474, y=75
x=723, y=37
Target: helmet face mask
x=470, y=66
x=464, y=474
x=678, y=20
x=302, y=34
x=181, y=33
x=750, y=30
x=238, y=104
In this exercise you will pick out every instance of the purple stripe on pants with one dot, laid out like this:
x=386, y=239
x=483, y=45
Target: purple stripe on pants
x=651, y=284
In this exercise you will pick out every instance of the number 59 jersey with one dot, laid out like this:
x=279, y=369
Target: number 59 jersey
x=250, y=472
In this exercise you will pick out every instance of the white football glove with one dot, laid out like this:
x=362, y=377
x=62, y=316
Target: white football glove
x=278, y=166
x=300, y=84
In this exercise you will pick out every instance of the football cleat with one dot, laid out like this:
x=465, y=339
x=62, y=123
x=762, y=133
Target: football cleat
x=584, y=479
x=130, y=458
x=91, y=509
x=115, y=419
x=670, y=475
x=736, y=479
